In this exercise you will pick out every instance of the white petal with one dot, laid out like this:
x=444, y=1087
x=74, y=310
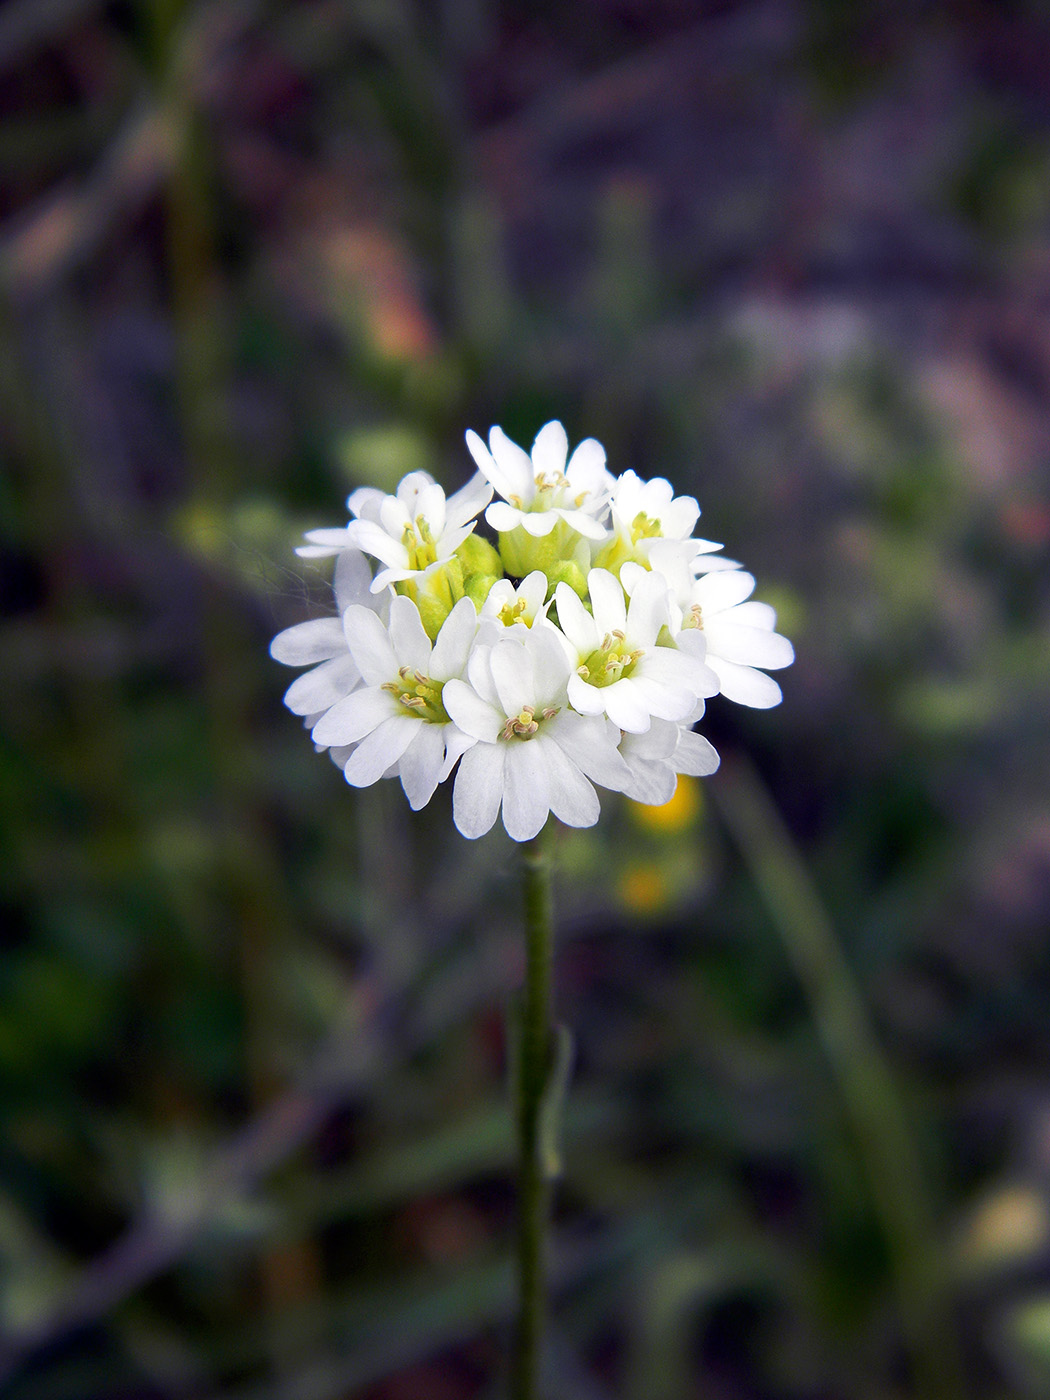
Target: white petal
x=408, y=636
x=370, y=645
x=607, y=600
x=590, y=741
x=470, y=713
x=479, y=789
x=421, y=763
x=323, y=686
x=744, y=685
x=319, y=551
x=695, y=755
x=550, y=449
x=661, y=702
x=678, y=670
x=431, y=508
x=584, y=522
x=648, y=610
x=573, y=800
x=479, y=673
x=513, y=676
x=718, y=591
x=456, y=744
x=526, y=789
x=586, y=469
x=540, y=523
x=626, y=707
x=487, y=464
x=464, y=504
x=356, y=715
x=380, y=750
x=575, y=621
x=652, y=781
x=585, y=699
x=503, y=517
x=552, y=661
x=749, y=646
x=374, y=540
x=308, y=642
x=533, y=589
x=365, y=502
x=453, y=643
x=514, y=463
x=329, y=539
x=352, y=579
x=756, y=615
x=658, y=742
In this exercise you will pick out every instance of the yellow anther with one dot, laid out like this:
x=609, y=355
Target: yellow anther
x=582, y=672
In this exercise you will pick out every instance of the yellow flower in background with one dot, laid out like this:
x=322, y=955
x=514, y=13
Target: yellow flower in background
x=643, y=889
x=675, y=815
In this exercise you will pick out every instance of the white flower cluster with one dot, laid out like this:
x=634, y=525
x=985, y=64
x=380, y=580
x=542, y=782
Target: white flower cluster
x=577, y=650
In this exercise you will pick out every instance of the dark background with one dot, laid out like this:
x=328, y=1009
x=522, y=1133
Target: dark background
x=795, y=257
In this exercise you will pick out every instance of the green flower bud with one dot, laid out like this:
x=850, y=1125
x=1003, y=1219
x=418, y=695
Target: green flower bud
x=522, y=552
x=479, y=586
x=436, y=595
x=479, y=557
x=568, y=572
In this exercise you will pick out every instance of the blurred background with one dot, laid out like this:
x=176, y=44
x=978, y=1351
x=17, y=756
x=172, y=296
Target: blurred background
x=793, y=256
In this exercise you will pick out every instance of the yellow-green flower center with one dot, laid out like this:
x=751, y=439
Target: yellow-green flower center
x=610, y=662
x=550, y=493
x=643, y=527
x=524, y=724
x=420, y=695
x=419, y=542
x=513, y=612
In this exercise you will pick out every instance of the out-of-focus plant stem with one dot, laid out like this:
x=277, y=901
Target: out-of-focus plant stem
x=534, y=1057
x=869, y=1094
x=290, y=1271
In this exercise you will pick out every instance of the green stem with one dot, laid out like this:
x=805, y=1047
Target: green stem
x=534, y=1047
x=865, y=1081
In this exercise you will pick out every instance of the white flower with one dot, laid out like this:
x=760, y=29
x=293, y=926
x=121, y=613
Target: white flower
x=519, y=607
x=734, y=637
x=539, y=491
x=396, y=719
x=533, y=755
x=322, y=642
x=619, y=668
x=413, y=533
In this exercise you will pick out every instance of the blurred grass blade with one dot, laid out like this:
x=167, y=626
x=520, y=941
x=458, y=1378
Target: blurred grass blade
x=869, y=1094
